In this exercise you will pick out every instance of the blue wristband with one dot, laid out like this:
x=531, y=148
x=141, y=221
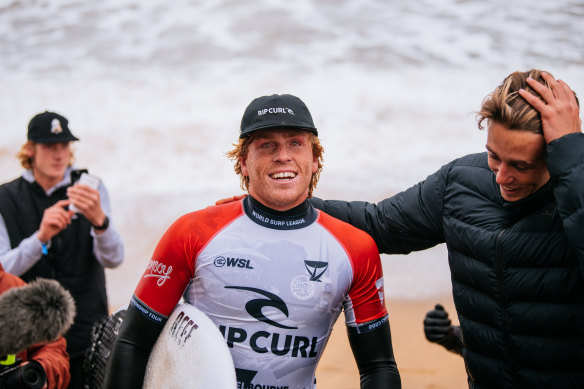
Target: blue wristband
x=45, y=251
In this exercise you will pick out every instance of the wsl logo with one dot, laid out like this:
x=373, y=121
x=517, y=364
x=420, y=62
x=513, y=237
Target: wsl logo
x=316, y=269
x=233, y=262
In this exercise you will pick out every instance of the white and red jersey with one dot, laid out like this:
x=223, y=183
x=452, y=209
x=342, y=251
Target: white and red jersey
x=273, y=284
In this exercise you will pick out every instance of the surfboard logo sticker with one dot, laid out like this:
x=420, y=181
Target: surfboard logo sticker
x=182, y=328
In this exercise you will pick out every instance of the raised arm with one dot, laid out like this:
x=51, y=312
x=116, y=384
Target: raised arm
x=564, y=154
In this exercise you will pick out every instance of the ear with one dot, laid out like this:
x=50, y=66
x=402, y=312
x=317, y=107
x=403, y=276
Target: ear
x=30, y=149
x=314, y=164
x=243, y=163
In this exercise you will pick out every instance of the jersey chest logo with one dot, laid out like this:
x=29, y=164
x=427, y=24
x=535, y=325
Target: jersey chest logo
x=316, y=269
x=254, y=307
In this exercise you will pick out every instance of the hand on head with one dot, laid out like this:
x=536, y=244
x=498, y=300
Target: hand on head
x=560, y=114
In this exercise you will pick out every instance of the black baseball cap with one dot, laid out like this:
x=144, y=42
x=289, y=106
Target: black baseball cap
x=49, y=127
x=276, y=111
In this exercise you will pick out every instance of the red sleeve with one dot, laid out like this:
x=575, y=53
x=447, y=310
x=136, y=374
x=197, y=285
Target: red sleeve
x=173, y=263
x=55, y=361
x=367, y=288
x=8, y=281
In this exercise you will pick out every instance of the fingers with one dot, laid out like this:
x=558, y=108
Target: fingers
x=559, y=108
x=437, y=322
x=85, y=198
x=437, y=325
x=437, y=313
x=229, y=199
x=558, y=92
x=436, y=330
x=55, y=219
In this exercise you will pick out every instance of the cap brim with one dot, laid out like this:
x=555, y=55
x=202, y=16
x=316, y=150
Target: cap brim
x=291, y=126
x=55, y=140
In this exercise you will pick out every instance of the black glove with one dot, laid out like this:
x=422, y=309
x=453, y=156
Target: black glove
x=439, y=329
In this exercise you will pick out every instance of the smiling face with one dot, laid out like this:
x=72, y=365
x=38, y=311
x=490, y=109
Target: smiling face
x=517, y=159
x=280, y=165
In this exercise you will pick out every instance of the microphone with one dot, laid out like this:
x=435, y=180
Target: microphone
x=39, y=312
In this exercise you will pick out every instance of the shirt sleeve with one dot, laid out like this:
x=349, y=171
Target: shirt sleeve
x=21, y=258
x=54, y=359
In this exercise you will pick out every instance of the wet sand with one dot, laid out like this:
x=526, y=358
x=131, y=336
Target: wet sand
x=422, y=365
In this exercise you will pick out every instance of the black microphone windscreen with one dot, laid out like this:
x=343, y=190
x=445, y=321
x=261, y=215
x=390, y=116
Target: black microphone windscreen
x=38, y=312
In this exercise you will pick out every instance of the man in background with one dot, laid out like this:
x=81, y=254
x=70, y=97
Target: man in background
x=40, y=236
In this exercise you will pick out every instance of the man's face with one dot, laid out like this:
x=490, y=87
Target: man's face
x=50, y=160
x=280, y=165
x=517, y=159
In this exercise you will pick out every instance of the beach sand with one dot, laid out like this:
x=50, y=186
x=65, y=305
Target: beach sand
x=422, y=365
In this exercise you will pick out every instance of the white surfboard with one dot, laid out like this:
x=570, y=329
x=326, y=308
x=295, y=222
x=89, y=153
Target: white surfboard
x=190, y=353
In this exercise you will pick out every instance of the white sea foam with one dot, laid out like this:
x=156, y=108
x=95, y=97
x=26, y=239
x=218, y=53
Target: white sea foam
x=155, y=91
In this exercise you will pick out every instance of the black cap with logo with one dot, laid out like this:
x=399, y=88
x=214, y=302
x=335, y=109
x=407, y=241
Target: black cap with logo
x=49, y=127
x=276, y=111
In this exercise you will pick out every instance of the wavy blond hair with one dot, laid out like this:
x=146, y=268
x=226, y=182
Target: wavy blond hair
x=26, y=160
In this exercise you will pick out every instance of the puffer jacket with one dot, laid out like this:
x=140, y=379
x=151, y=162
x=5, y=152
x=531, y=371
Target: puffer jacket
x=517, y=268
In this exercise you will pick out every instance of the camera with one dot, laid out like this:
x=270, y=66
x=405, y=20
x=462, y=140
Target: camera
x=17, y=376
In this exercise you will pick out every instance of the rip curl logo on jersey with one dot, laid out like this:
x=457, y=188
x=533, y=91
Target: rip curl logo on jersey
x=316, y=269
x=56, y=126
x=158, y=270
x=232, y=262
x=255, y=307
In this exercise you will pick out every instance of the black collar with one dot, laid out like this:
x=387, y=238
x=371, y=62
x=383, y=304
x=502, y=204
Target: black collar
x=298, y=217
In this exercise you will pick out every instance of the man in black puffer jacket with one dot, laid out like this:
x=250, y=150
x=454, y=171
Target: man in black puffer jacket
x=513, y=222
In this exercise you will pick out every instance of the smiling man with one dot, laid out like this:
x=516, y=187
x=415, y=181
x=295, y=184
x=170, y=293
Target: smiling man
x=513, y=223
x=271, y=272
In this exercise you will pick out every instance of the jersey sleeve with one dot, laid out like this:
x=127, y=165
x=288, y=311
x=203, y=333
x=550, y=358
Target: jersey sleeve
x=172, y=265
x=364, y=304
